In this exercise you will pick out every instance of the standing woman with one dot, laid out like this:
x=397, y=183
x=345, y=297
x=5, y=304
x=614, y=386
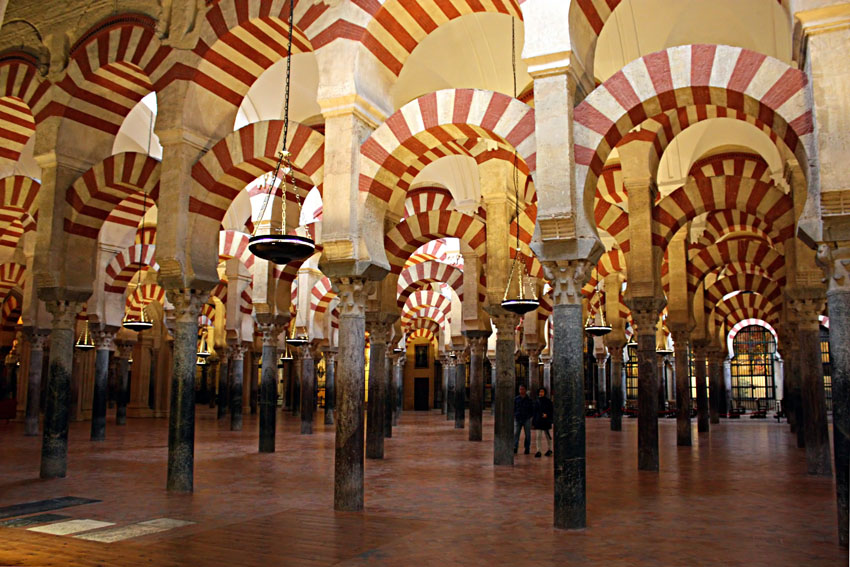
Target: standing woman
x=542, y=421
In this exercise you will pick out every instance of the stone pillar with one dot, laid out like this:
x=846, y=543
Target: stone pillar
x=330, y=387
x=683, y=387
x=103, y=343
x=477, y=350
x=125, y=353
x=534, y=379
x=209, y=373
x=567, y=278
x=815, y=428
x=255, y=386
x=36, y=338
x=308, y=380
x=702, y=395
x=615, y=350
x=398, y=379
x=389, y=398
x=451, y=364
x=503, y=389
x=223, y=383
x=836, y=265
x=599, y=385
x=268, y=386
x=379, y=333
x=348, y=451
x=54, y=446
x=645, y=314
x=460, y=390
x=181, y=419
x=237, y=355
x=444, y=386
x=715, y=382
x=493, y=374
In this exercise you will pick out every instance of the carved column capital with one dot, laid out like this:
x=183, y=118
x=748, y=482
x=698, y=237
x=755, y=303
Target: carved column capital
x=64, y=313
x=124, y=349
x=462, y=356
x=645, y=312
x=270, y=333
x=379, y=331
x=834, y=258
x=37, y=338
x=806, y=307
x=352, y=293
x=187, y=303
x=237, y=351
x=506, y=325
x=330, y=354
x=103, y=339
x=567, y=277
x=477, y=345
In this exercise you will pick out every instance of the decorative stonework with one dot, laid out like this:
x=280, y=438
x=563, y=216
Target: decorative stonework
x=836, y=265
x=645, y=312
x=506, y=325
x=37, y=338
x=270, y=333
x=352, y=294
x=477, y=346
x=807, y=310
x=64, y=313
x=567, y=278
x=379, y=332
x=187, y=304
x=237, y=351
x=103, y=340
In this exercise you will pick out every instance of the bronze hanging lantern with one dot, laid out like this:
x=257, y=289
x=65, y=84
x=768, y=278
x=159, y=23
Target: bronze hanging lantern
x=203, y=348
x=281, y=248
x=84, y=341
x=591, y=327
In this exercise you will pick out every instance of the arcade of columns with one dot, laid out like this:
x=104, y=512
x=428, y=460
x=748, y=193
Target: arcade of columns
x=113, y=205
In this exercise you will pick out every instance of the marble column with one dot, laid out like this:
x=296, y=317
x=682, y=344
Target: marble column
x=683, y=387
x=348, y=450
x=125, y=353
x=268, y=386
x=389, y=398
x=308, y=379
x=54, y=446
x=599, y=382
x=181, y=419
x=37, y=338
x=442, y=393
x=223, y=383
x=570, y=493
x=398, y=379
x=493, y=373
x=460, y=390
x=715, y=383
x=237, y=356
x=815, y=428
x=535, y=381
x=615, y=350
x=379, y=333
x=209, y=373
x=255, y=386
x=103, y=341
x=451, y=364
x=330, y=389
x=836, y=264
x=503, y=429
x=645, y=314
x=700, y=356
x=477, y=351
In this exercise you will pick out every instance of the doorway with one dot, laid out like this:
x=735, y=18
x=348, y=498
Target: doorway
x=420, y=394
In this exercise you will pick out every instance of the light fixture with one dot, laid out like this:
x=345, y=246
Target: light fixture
x=84, y=341
x=282, y=248
x=519, y=305
x=663, y=351
x=398, y=350
x=298, y=341
x=143, y=323
x=590, y=326
x=203, y=348
x=201, y=361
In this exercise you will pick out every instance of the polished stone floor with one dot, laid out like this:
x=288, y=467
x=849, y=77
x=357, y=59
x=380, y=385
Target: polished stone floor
x=739, y=496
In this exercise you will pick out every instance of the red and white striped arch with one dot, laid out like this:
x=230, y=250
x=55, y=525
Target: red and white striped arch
x=108, y=185
x=146, y=235
x=742, y=251
x=11, y=311
x=746, y=323
x=746, y=306
x=433, y=250
x=11, y=276
x=424, y=199
x=610, y=185
x=22, y=100
x=399, y=26
x=242, y=156
x=718, y=193
x=426, y=312
x=611, y=262
x=719, y=224
x=761, y=285
x=19, y=192
x=422, y=323
x=426, y=299
x=613, y=220
x=141, y=296
x=240, y=39
x=234, y=244
x=126, y=263
x=321, y=296
x=411, y=233
x=761, y=87
x=428, y=334
x=735, y=164
x=394, y=153
x=414, y=277
x=111, y=68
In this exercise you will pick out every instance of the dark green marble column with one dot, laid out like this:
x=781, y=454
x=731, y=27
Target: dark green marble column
x=503, y=437
x=379, y=332
x=103, y=340
x=615, y=350
x=389, y=398
x=308, y=377
x=702, y=394
x=645, y=314
x=223, y=383
x=125, y=353
x=330, y=385
x=477, y=351
x=237, y=357
x=54, y=446
x=460, y=390
x=37, y=338
x=181, y=419
x=715, y=382
x=268, y=386
x=683, y=387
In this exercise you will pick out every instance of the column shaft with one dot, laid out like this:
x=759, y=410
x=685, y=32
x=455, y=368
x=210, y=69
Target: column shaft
x=683, y=390
x=647, y=392
x=460, y=392
x=815, y=428
x=124, y=385
x=616, y=353
x=715, y=379
x=223, y=386
x=839, y=354
x=37, y=340
x=101, y=378
x=389, y=399
x=398, y=382
x=330, y=387
x=377, y=390
x=268, y=388
x=702, y=395
x=238, y=375
x=503, y=404
x=308, y=379
x=477, y=349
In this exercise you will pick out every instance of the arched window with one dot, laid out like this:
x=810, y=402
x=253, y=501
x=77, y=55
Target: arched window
x=827, y=366
x=631, y=372
x=752, y=365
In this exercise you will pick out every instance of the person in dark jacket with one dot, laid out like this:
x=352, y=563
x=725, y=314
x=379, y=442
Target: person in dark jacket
x=542, y=422
x=523, y=412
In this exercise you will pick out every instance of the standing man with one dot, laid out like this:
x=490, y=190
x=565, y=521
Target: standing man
x=523, y=412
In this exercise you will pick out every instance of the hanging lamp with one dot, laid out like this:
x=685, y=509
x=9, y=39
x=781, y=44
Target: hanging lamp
x=143, y=323
x=519, y=305
x=201, y=361
x=282, y=248
x=590, y=326
x=84, y=341
x=203, y=349
x=296, y=341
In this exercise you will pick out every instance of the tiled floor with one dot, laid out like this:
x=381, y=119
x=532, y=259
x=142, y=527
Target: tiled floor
x=740, y=496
